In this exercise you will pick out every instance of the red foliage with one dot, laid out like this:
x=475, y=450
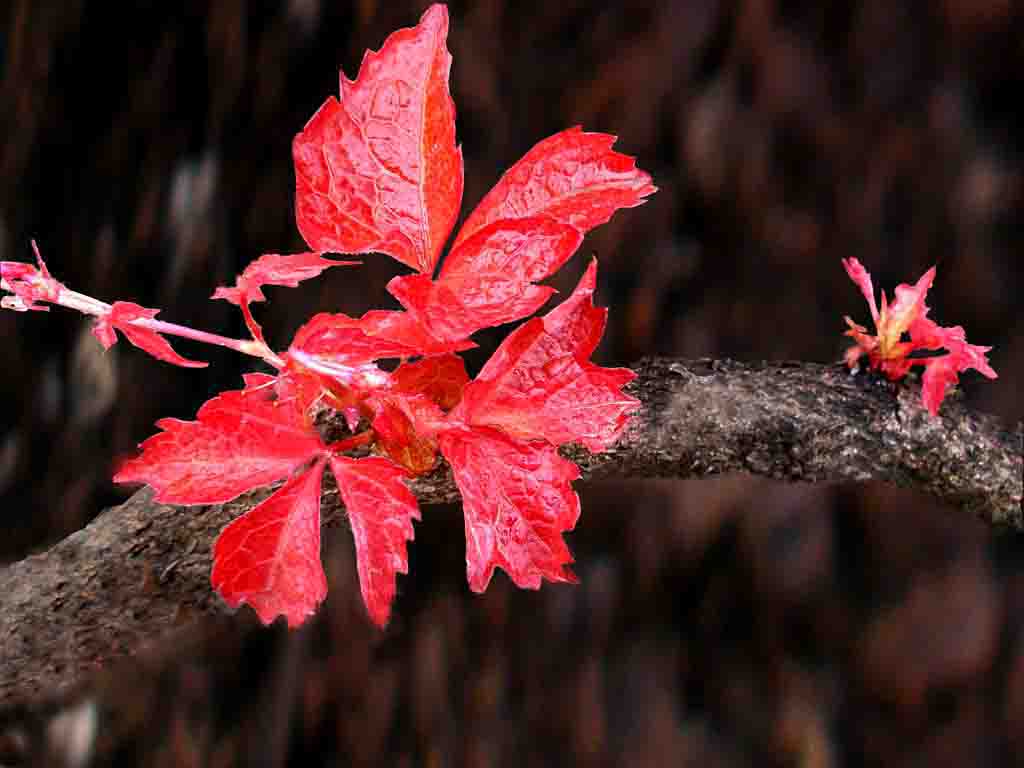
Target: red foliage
x=517, y=501
x=240, y=440
x=275, y=269
x=29, y=285
x=574, y=178
x=270, y=556
x=378, y=170
x=380, y=510
x=120, y=316
x=540, y=383
x=891, y=353
x=441, y=379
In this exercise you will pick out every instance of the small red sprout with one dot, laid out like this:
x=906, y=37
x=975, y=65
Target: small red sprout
x=904, y=328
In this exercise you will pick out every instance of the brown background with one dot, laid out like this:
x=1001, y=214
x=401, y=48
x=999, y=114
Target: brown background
x=727, y=622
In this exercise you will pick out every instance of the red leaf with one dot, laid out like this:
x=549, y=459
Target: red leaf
x=257, y=383
x=270, y=556
x=926, y=334
x=380, y=510
x=346, y=340
x=297, y=387
x=441, y=378
x=540, y=384
x=887, y=351
x=379, y=334
x=903, y=327
x=908, y=306
x=379, y=169
x=239, y=440
x=401, y=438
x=517, y=499
x=524, y=249
x=581, y=404
x=486, y=281
x=940, y=373
x=862, y=278
x=121, y=315
x=572, y=177
x=407, y=329
x=29, y=284
x=276, y=269
x=943, y=371
x=454, y=310
x=576, y=326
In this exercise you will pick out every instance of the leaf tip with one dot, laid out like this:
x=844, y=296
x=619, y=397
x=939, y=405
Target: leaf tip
x=435, y=16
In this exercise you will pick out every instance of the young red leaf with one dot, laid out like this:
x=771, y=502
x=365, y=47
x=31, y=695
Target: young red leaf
x=540, y=384
x=342, y=340
x=887, y=351
x=378, y=170
x=903, y=327
x=576, y=326
x=240, y=440
x=398, y=436
x=927, y=334
x=943, y=371
x=23, y=282
x=28, y=285
x=276, y=269
x=454, y=310
x=270, y=556
x=486, y=281
x=862, y=278
x=578, y=404
x=257, y=384
x=572, y=177
x=345, y=340
x=272, y=269
x=518, y=500
x=440, y=378
x=120, y=316
x=380, y=509
x=523, y=249
x=407, y=329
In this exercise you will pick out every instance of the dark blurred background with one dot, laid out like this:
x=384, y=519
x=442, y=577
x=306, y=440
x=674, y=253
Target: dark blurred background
x=721, y=622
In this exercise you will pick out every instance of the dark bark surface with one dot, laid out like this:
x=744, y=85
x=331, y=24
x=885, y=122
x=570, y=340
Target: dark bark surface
x=141, y=569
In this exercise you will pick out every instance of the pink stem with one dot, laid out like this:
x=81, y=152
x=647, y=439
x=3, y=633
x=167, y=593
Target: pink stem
x=245, y=346
x=41, y=286
x=251, y=324
x=90, y=306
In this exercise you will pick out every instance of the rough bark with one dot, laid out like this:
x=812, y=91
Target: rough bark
x=142, y=569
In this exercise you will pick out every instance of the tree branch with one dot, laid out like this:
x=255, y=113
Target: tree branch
x=142, y=568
